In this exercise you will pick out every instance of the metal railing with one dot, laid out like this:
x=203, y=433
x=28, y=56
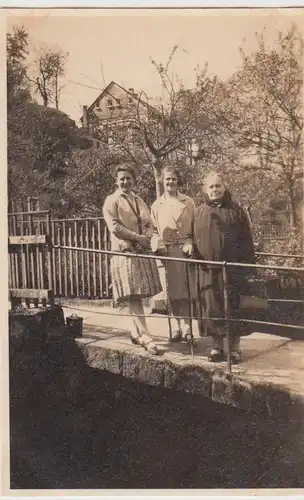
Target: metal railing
x=198, y=265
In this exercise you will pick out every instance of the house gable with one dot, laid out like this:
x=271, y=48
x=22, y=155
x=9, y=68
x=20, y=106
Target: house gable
x=114, y=103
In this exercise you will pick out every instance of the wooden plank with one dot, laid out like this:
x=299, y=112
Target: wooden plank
x=76, y=257
x=71, y=262
x=37, y=261
x=15, y=254
x=54, y=259
x=107, y=261
x=29, y=239
x=31, y=293
x=100, y=257
x=33, y=269
x=41, y=256
x=94, y=262
x=23, y=258
x=65, y=261
x=59, y=260
x=10, y=271
x=87, y=239
x=41, y=212
x=49, y=259
x=27, y=255
x=82, y=261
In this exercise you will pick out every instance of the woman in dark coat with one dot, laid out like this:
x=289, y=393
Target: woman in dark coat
x=221, y=233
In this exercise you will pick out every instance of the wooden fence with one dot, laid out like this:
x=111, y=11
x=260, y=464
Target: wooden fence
x=40, y=264
x=73, y=273
x=80, y=273
x=30, y=262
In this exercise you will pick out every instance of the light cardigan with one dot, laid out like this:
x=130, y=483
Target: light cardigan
x=122, y=222
x=173, y=225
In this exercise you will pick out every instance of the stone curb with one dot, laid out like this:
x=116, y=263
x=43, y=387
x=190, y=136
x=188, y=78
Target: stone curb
x=222, y=387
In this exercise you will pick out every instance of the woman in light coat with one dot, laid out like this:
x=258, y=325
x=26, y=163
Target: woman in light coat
x=129, y=222
x=173, y=217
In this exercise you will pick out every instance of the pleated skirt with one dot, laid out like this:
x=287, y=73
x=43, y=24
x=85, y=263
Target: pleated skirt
x=134, y=277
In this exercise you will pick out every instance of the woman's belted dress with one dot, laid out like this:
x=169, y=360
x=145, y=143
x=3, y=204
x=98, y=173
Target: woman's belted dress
x=222, y=233
x=126, y=216
x=173, y=227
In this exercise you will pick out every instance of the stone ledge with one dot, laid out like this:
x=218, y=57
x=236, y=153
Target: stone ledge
x=222, y=387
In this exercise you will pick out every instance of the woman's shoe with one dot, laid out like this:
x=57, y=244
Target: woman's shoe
x=147, y=343
x=235, y=357
x=216, y=355
x=177, y=336
x=135, y=339
x=189, y=338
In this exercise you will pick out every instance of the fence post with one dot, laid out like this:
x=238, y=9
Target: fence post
x=227, y=314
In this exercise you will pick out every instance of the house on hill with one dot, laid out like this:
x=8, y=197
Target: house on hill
x=115, y=106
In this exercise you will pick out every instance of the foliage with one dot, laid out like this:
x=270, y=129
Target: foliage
x=268, y=118
x=39, y=140
x=17, y=50
x=49, y=68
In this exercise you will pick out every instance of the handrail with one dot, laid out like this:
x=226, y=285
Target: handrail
x=291, y=256
x=178, y=259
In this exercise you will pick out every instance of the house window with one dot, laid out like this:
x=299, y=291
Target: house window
x=110, y=103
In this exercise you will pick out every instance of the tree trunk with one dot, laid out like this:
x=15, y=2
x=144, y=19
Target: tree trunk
x=157, y=169
x=56, y=92
x=292, y=208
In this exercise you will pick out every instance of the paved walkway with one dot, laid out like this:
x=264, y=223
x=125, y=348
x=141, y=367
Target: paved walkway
x=272, y=365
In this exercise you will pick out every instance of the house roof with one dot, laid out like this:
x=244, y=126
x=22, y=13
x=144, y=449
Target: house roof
x=107, y=91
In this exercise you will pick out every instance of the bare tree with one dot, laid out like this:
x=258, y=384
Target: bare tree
x=154, y=129
x=49, y=67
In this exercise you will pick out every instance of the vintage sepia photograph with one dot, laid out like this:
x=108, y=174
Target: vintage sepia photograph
x=155, y=217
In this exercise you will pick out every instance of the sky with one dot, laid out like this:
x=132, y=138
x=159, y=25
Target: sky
x=106, y=45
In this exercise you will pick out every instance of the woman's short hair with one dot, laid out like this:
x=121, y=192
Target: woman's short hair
x=172, y=170
x=125, y=167
x=214, y=175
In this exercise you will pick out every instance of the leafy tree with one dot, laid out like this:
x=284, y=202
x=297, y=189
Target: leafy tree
x=268, y=116
x=39, y=143
x=17, y=51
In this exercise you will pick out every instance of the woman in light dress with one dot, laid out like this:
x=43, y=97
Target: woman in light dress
x=129, y=222
x=173, y=217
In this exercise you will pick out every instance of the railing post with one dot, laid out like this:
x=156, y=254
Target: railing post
x=190, y=309
x=227, y=314
x=168, y=299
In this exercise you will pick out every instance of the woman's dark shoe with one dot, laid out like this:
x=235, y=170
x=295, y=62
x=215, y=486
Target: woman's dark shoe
x=235, y=357
x=216, y=355
x=177, y=336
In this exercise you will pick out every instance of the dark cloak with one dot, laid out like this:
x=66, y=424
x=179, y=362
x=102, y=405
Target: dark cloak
x=222, y=233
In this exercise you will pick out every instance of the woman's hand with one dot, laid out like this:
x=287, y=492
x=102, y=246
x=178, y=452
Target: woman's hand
x=143, y=240
x=188, y=249
x=161, y=250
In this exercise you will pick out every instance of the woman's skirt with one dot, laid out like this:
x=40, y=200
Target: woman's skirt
x=181, y=288
x=134, y=277
x=211, y=303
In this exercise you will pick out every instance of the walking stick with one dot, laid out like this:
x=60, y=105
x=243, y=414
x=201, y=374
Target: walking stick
x=191, y=341
x=201, y=322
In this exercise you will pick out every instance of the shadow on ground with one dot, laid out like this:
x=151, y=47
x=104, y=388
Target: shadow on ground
x=76, y=427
